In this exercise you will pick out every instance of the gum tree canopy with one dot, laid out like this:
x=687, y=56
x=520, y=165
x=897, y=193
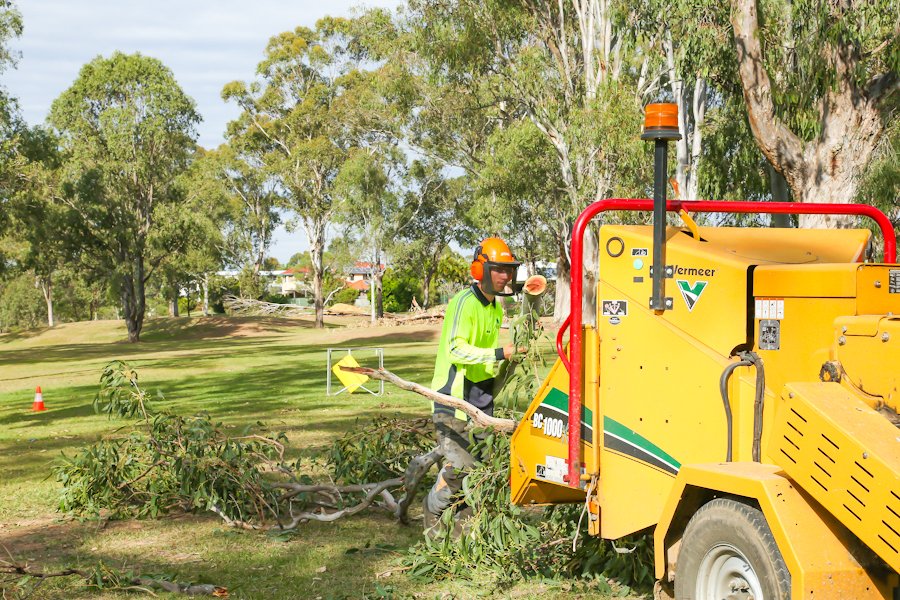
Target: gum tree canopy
x=127, y=130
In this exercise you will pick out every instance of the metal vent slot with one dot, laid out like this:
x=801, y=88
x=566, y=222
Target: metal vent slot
x=789, y=457
x=792, y=426
x=799, y=415
x=791, y=442
x=866, y=471
x=827, y=439
x=850, y=510
x=888, y=544
x=822, y=469
x=893, y=511
x=894, y=531
x=822, y=486
x=825, y=454
x=860, y=484
x=855, y=497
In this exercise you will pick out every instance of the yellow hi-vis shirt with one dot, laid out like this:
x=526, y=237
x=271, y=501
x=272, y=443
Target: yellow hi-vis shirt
x=469, y=352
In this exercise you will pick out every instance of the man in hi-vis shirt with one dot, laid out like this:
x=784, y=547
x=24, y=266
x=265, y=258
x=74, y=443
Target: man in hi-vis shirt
x=468, y=357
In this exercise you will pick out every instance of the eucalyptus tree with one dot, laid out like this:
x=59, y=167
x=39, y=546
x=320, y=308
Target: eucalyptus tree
x=128, y=131
x=10, y=122
x=370, y=203
x=435, y=213
x=820, y=82
x=39, y=220
x=562, y=66
x=518, y=190
x=242, y=201
x=292, y=125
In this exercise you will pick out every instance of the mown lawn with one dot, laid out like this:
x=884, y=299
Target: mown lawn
x=240, y=371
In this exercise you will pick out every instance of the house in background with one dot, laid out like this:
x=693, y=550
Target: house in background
x=358, y=279
x=295, y=281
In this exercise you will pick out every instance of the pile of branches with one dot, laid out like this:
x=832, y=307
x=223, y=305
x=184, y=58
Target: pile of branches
x=167, y=462
x=250, y=307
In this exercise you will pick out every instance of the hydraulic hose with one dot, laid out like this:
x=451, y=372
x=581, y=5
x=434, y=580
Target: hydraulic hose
x=754, y=358
x=723, y=389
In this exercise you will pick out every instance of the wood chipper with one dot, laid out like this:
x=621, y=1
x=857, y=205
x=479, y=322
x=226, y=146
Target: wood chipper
x=738, y=397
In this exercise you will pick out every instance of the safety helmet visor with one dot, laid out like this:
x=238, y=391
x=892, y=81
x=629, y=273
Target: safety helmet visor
x=499, y=277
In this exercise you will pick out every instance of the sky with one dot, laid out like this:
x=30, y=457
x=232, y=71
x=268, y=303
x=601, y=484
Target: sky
x=206, y=44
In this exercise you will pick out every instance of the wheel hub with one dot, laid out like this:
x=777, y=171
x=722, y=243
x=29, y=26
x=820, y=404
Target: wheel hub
x=726, y=574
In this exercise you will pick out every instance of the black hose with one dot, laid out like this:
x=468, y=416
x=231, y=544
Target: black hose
x=723, y=389
x=754, y=358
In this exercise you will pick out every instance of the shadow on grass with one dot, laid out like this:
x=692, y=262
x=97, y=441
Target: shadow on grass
x=399, y=337
x=198, y=549
x=70, y=352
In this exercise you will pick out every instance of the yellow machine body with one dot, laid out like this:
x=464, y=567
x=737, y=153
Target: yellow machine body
x=827, y=328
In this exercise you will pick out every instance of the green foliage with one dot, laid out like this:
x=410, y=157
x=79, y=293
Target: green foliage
x=127, y=131
x=399, y=289
x=167, y=462
x=21, y=303
x=506, y=543
x=119, y=394
x=250, y=283
x=346, y=295
x=880, y=185
x=379, y=450
x=219, y=288
x=812, y=47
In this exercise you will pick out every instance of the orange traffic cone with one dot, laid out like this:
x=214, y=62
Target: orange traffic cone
x=38, y=400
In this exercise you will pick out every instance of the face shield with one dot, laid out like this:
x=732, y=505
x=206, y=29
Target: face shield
x=500, y=278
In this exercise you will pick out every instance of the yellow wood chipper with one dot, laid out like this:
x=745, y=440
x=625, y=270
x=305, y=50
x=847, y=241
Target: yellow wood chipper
x=738, y=398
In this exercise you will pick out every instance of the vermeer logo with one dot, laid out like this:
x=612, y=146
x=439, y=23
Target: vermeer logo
x=690, y=293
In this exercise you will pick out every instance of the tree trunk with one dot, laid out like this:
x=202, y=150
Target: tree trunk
x=47, y=288
x=372, y=296
x=315, y=233
x=828, y=167
x=205, y=294
x=426, y=286
x=133, y=300
x=563, y=274
x=173, y=303
x=780, y=193
x=376, y=283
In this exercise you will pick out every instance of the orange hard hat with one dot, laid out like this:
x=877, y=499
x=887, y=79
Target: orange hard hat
x=492, y=253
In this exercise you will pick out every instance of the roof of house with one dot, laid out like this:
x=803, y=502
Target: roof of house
x=360, y=285
x=297, y=271
x=363, y=268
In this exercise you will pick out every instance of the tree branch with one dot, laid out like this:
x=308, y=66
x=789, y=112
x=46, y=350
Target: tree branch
x=780, y=145
x=479, y=417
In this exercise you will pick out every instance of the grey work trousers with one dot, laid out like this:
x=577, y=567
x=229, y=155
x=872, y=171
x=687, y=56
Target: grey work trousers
x=453, y=442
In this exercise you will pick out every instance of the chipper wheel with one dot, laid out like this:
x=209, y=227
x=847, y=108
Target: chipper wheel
x=728, y=552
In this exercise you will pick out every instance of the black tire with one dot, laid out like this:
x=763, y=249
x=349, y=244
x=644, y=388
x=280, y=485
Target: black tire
x=720, y=542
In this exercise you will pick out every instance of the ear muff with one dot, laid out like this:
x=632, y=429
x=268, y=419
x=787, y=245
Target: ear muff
x=477, y=267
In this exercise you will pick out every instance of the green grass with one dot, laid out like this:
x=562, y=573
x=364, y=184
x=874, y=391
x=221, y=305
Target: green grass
x=240, y=371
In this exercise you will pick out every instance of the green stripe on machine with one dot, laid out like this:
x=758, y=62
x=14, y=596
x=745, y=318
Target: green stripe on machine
x=620, y=437
x=616, y=437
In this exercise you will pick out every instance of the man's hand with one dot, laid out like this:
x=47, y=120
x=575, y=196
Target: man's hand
x=509, y=350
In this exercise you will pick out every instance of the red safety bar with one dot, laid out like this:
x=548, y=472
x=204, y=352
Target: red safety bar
x=574, y=321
